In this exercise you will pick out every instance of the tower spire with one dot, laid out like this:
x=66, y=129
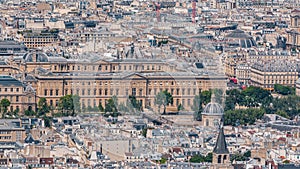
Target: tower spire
x=221, y=146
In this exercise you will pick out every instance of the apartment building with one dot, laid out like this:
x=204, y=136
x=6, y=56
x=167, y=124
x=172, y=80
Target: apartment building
x=11, y=130
x=36, y=40
x=267, y=73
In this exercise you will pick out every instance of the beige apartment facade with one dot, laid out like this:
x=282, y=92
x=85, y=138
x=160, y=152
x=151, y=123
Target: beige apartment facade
x=11, y=133
x=36, y=40
x=267, y=74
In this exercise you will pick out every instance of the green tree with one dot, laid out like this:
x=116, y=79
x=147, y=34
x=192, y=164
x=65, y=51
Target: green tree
x=247, y=154
x=180, y=107
x=30, y=113
x=197, y=107
x=16, y=112
x=162, y=160
x=282, y=114
x=243, y=116
x=284, y=90
x=4, y=104
x=47, y=121
x=237, y=157
x=200, y=100
x=163, y=98
x=233, y=97
x=205, y=96
x=101, y=109
x=69, y=105
x=289, y=104
x=256, y=96
x=201, y=158
x=144, y=132
x=111, y=105
x=135, y=103
x=43, y=107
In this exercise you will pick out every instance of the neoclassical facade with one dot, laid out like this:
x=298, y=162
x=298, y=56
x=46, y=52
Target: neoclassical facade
x=21, y=97
x=98, y=80
x=293, y=38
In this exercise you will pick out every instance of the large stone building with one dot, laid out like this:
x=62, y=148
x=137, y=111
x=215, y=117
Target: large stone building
x=293, y=38
x=21, y=97
x=98, y=80
x=266, y=74
x=36, y=40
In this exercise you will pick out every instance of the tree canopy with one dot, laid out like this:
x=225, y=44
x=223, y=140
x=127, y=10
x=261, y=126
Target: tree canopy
x=4, y=103
x=111, y=105
x=259, y=101
x=284, y=90
x=69, y=105
x=134, y=103
x=163, y=98
x=201, y=158
x=43, y=107
x=242, y=116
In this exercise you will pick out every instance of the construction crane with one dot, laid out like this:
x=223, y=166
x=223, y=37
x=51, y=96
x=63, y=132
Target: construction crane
x=157, y=9
x=194, y=11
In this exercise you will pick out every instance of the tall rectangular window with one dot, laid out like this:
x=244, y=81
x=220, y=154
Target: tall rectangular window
x=133, y=92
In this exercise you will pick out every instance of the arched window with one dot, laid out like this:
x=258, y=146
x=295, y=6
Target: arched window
x=219, y=159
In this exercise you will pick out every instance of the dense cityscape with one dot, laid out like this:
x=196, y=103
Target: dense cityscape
x=160, y=84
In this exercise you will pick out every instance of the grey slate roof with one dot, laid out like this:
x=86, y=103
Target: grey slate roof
x=9, y=81
x=221, y=146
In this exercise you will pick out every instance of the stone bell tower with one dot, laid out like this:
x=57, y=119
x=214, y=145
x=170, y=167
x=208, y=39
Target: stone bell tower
x=221, y=156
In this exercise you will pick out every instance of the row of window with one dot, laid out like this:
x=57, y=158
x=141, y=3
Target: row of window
x=12, y=99
x=5, y=137
x=125, y=67
x=134, y=92
x=176, y=102
x=5, y=132
x=9, y=89
x=279, y=81
x=111, y=83
x=79, y=67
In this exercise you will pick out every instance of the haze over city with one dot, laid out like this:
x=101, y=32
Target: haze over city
x=159, y=84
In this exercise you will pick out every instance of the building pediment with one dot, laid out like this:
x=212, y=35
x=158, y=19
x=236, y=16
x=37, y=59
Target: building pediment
x=135, y=76
x=101, y=62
